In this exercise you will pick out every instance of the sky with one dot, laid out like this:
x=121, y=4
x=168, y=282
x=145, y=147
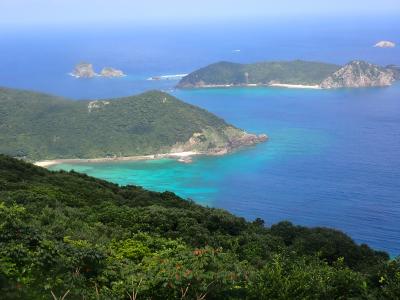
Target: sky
x=66, y=12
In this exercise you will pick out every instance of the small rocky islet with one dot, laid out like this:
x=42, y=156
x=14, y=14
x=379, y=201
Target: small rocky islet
x=86, y=70
x=385, y=44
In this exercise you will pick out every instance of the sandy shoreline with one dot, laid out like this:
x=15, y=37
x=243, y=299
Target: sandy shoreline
x=283, y=85
x=180, y=156
x=295, y=86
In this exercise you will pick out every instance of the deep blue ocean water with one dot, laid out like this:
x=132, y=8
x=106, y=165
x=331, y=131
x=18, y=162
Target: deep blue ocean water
x=332, y=158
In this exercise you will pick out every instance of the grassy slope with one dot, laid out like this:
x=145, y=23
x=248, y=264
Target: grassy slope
x=41, y=126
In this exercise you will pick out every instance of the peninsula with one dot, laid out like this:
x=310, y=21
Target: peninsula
x=292, y=74
x=151, y=125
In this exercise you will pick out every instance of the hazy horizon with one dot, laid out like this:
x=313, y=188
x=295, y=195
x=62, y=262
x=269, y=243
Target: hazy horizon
x=102, y=12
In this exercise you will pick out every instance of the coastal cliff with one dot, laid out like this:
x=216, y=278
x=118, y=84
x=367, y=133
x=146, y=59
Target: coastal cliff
x=357, y=74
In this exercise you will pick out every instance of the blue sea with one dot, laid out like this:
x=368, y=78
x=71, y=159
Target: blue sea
x=333, y=155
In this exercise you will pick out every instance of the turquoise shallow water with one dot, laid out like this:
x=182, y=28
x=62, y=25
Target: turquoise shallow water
x=332, y=160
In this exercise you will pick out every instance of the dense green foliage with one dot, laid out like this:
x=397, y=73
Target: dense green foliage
x=292, y=72
x=68, y=233
x=38, y=126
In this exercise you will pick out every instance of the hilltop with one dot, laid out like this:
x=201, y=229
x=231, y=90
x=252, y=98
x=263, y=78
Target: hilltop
x=290, y=74
x=66, y=233
x=37, y=126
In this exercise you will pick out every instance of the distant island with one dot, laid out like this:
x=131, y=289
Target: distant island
x=111, y=72
x=291, y=74
x=86, y=70
x=151, y=125
x=385, y=44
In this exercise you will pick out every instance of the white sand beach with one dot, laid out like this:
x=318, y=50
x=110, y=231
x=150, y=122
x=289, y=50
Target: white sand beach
x=284, y=85
x=295, y=86
x=180, y=156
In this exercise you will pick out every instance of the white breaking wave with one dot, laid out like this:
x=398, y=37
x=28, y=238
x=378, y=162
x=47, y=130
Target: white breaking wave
x=168, y=77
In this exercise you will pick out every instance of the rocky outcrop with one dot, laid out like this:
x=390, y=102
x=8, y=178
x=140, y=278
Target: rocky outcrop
x=111, y=72
x=97, y=104
x=213, y=142
x=84, y=70
x=243, y=140
x=385, y=44
x=247, y=139
x=357, y=74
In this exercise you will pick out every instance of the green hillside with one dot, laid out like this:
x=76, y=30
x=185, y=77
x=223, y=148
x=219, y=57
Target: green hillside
x=68, y=233
x=291, y=72
x=38, y=126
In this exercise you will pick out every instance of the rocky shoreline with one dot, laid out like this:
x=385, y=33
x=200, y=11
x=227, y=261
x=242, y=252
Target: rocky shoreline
x=276, y=84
